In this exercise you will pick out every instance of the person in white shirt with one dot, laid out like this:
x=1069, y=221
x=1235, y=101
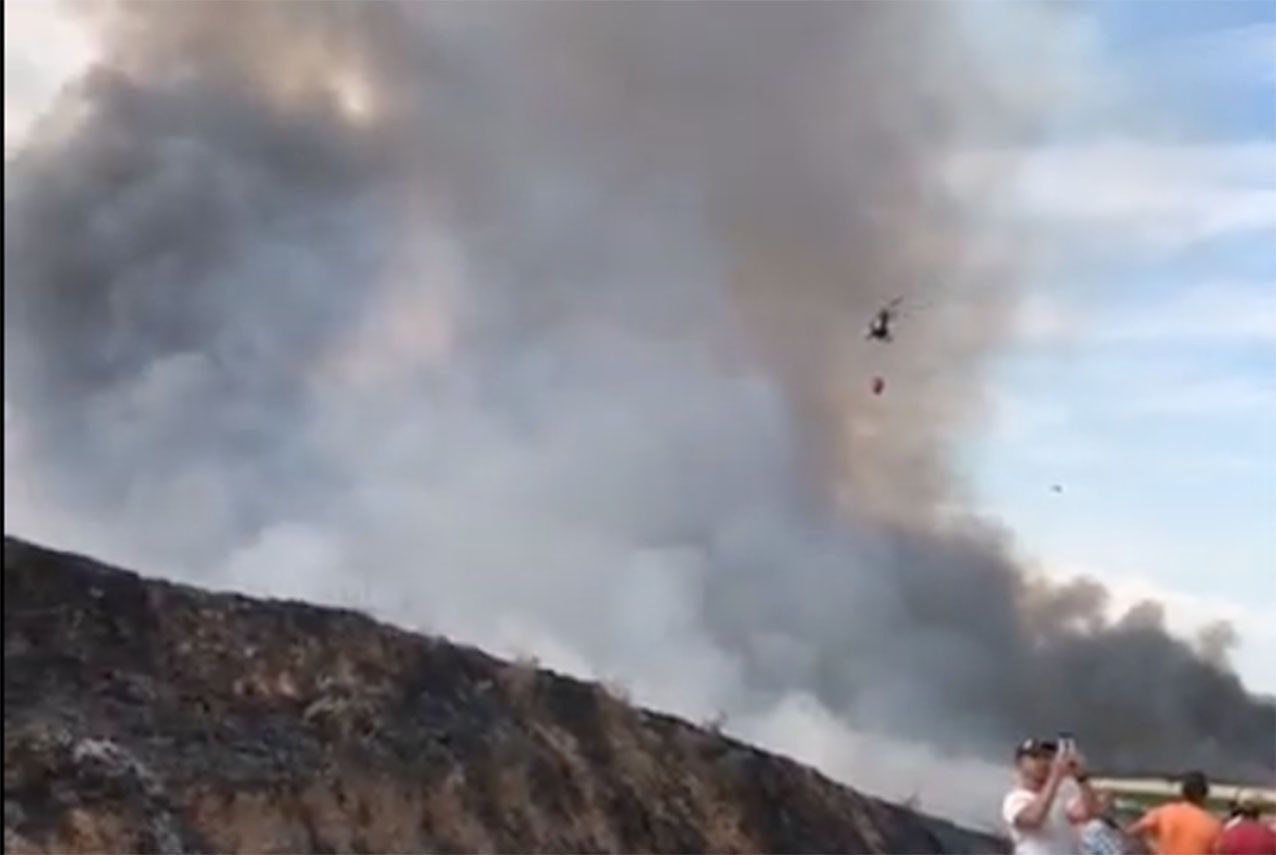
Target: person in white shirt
x=1040, y=822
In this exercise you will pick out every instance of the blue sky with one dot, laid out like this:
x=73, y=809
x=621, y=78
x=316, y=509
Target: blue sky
x=1144, y=378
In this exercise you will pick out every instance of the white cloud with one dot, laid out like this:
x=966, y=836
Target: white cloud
x=1024, y=417
x=45, y=46
x=1247, y=50
x=1244, y=53
x=1219, y=311
x=1232, y=311
x=1039, y=430
x=1126, y=193
x=1229, y=396
x=1043, y=318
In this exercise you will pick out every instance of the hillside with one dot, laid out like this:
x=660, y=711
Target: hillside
x=146, y=716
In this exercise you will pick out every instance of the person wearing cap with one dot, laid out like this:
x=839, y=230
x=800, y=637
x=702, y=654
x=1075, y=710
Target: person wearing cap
x=1185, y=826
x=1247, y=834
x=1039, y=821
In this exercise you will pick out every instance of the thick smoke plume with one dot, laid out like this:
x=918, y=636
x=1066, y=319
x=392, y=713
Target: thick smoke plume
x=540, y=325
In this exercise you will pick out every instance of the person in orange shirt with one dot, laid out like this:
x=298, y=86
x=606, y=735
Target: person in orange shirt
x=1182, y=827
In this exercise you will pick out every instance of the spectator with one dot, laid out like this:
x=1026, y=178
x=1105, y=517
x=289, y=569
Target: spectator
x=1100, y=835
x=1039, y=822
x=1246, y=834
x=1182, y=827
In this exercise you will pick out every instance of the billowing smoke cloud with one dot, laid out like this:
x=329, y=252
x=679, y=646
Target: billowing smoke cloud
x=540, y=325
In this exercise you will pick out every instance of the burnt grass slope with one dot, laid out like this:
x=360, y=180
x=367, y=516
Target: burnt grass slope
x=144, y=716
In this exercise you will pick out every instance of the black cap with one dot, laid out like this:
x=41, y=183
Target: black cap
x=1036, y=748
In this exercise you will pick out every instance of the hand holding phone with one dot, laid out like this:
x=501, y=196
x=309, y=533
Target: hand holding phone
x=1061, y=764
x=1074, y=761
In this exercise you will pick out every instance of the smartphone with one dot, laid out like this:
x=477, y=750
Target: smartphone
x=1066, y=742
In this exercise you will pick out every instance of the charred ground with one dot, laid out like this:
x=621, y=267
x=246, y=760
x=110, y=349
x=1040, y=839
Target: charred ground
x=141, y=715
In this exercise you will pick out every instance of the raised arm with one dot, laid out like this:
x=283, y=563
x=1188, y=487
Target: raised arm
x=1033, y=812
x=1087, y=806
x=1146, y=824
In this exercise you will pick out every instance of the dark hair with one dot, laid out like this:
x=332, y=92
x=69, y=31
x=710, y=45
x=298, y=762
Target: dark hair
x=1196, y=787
x=1036, y=748
x=1247, y=805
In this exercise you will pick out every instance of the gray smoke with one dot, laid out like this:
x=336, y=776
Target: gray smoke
x=541, y=325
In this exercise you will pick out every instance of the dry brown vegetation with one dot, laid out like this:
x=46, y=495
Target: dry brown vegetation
x=145, y=716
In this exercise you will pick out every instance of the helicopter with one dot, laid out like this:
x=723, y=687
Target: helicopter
x=879, y=329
